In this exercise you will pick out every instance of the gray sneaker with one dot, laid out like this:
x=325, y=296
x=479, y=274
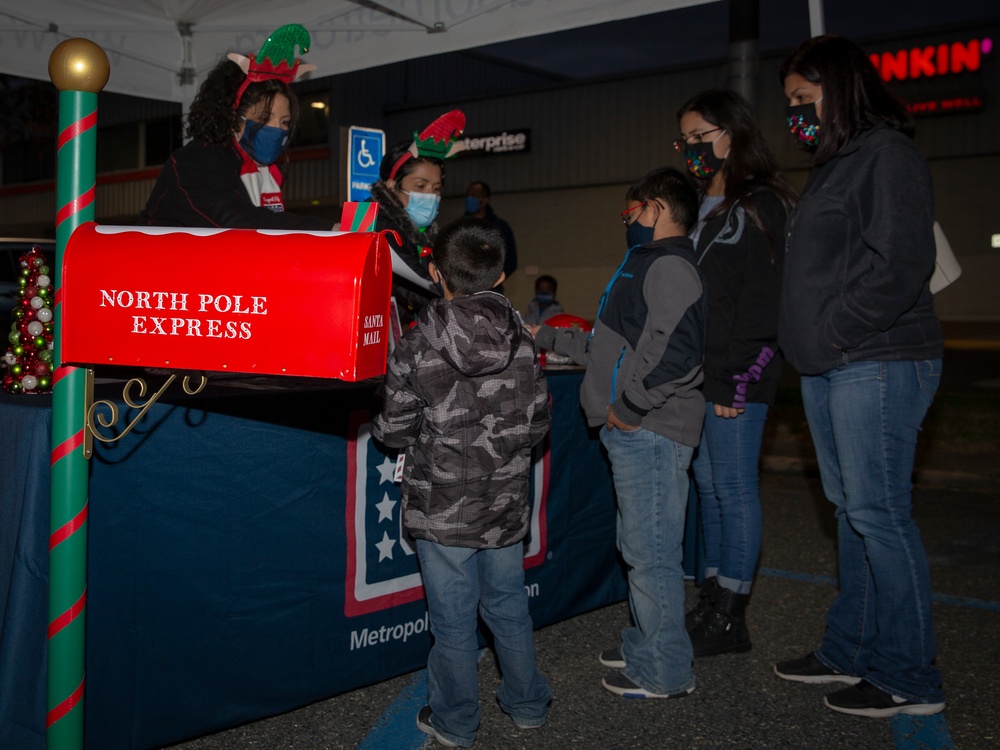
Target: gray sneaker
x=424, y=717
x=612, y=657
x=811, y=670
x=621, y=685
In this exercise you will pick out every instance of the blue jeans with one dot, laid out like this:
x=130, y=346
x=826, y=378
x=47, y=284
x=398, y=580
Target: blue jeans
x=651, y=483
x=726, y=473
x=864, y=419
x=458, y=581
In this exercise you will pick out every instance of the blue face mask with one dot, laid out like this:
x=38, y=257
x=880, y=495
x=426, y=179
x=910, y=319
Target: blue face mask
x=637, y=234
x=264, y=143
x=471, y=204
x=545, y=299
x=422, y=208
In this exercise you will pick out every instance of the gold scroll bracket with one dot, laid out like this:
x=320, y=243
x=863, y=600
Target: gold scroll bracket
x=96, y=421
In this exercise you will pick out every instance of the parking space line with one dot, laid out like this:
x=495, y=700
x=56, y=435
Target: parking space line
x=397, y=726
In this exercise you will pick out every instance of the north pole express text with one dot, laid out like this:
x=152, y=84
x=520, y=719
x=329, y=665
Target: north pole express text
x=228, y=314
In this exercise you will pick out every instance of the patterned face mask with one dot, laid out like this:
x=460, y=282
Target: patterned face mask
x=804, y=122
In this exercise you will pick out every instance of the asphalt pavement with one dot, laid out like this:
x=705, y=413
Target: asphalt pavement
x=739, y=703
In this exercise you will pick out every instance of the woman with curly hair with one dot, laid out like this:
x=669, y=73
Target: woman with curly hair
x=240, y=123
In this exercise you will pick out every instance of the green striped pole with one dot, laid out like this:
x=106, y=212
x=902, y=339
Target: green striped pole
x=79, y=69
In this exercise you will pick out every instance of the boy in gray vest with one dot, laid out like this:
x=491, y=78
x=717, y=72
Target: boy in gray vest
x=644, y=361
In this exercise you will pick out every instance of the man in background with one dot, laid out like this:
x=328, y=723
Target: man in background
x=477, y=203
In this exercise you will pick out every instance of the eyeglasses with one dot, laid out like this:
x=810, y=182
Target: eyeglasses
x=625, y=214
x=693, y=139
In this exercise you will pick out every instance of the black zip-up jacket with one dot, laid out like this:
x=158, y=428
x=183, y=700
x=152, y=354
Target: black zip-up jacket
x=859, y=255
x=200, y=186
x=742, y=267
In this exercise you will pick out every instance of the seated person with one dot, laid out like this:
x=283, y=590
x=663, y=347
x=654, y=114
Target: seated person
x=544, y=305
x=240, y=124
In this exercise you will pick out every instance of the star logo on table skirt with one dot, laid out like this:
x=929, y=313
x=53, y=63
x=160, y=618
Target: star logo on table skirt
x=385, y=547
x=385, y=508
x=386, y=470
x=379, y=574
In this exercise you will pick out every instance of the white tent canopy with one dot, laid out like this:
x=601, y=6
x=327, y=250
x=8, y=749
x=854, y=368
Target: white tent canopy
x=155, y=46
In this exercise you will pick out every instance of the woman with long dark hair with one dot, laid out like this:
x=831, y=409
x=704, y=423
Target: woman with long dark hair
x=858, y=323
x=408, y=193
x=744, y=200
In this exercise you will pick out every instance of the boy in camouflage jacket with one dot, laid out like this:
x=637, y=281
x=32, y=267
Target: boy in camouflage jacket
x=466, y=398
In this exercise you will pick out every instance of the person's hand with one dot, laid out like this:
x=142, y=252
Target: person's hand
x=727, y=412
x=614, y=422
x=533, y=330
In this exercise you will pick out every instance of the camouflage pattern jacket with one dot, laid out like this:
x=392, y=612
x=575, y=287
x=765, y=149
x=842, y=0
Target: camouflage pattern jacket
x=466, y=398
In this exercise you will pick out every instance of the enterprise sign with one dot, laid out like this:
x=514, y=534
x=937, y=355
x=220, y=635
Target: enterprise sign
x=495, y=144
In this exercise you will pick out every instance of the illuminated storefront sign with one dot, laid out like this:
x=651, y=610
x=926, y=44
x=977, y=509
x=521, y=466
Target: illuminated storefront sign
x=933, y=60
x=946, y=105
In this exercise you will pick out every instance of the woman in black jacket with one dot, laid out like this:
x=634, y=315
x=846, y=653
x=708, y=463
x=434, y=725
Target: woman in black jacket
x=858, y=323
x=744, y=200
x=408, y=193
x=408, y=202
x=240, y=124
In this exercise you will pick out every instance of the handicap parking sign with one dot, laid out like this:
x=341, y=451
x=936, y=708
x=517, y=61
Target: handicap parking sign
x=366, y=147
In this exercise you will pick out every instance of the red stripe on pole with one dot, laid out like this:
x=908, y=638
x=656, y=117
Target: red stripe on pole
x=62, y=372
x=75, y=129
x=67, y=529
x=68, y=616
x=75, y=206
x=66, y=447
x=65, y=707
x=58, y=297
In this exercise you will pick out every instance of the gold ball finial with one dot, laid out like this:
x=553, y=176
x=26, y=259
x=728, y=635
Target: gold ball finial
x=79, y=65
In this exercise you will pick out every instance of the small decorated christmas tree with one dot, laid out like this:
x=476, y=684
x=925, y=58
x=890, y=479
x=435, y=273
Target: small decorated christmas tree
x=28, y=361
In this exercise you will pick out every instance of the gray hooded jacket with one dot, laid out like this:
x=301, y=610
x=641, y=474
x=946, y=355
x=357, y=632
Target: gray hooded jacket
x=465, y=397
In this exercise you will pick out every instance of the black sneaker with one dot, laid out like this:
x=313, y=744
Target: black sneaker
x=811, y=670
x=612, y=657
x=424, y=724
x=621, y=685
x=864, y=699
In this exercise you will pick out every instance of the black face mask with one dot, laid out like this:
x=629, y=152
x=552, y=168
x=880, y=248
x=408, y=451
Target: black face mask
x=701, y=160
x=804, y=123
x=637, y=234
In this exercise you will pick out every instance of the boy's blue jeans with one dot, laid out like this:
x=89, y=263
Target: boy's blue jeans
x=459, y=582
x=864, y=419
x=726, y=472
x=651, y=484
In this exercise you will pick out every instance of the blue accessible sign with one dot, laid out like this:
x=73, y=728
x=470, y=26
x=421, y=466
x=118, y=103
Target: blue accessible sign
x=365, y=149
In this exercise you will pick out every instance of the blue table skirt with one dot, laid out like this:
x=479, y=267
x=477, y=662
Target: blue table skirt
x=245, y=559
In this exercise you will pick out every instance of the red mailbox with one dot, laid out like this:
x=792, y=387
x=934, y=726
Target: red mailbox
x=313, y=304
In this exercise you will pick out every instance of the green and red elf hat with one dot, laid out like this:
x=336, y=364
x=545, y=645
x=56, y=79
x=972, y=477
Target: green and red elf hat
x=437, y=141
x=273, y=59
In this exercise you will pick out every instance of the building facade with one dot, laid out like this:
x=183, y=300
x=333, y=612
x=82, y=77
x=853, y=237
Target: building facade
x=580, y=145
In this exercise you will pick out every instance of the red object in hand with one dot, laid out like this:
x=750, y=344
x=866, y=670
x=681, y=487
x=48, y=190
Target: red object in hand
x=565, y=320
